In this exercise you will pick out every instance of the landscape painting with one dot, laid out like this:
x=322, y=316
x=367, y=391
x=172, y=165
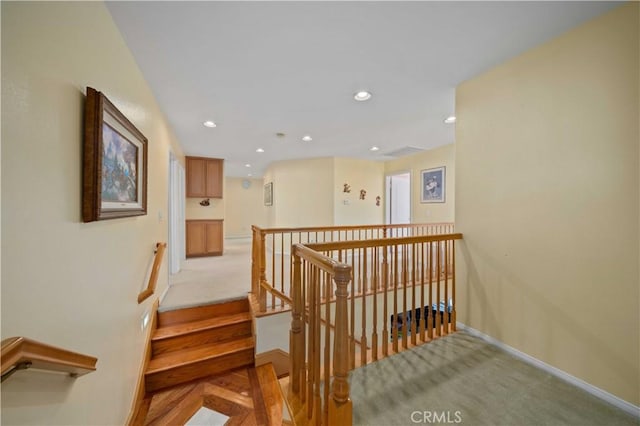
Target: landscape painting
x=119, y=167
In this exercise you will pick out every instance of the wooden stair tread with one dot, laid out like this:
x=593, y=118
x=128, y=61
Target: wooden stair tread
x=195, y=326
x=205, y=352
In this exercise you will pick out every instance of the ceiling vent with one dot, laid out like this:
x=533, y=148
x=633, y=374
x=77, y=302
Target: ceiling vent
x=402, y=152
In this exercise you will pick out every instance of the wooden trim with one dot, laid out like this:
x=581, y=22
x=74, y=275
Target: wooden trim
x=18, y=350
x=276, y=292
x=155, y=272
x=140, y=386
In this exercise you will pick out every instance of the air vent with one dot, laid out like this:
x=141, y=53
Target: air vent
x=402, y=152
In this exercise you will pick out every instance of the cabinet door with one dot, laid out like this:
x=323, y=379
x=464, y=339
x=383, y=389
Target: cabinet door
x=196, y=177
x=214, y=237
x=196, y=242
x=214, y=178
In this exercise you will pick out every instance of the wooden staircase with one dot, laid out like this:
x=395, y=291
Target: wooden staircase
x=198, y=342
x=204, y=357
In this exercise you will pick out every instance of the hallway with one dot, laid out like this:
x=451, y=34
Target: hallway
x=204, y=280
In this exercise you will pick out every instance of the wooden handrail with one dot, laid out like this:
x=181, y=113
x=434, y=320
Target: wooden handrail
x=20, y=353
x=348, y=227
x=382, y=242
x=155, y=272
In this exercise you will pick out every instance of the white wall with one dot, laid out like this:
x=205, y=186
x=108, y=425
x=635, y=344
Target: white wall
x=547, y=198
x=359, y=174
x=437, y=157
x=64, y=282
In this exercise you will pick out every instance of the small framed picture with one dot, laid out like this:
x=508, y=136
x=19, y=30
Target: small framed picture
x=433, y=185
x=268, y=194
x=114, y=180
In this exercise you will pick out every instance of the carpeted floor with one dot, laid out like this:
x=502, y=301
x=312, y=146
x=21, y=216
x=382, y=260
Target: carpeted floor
x=204, y=280
x=461, y=379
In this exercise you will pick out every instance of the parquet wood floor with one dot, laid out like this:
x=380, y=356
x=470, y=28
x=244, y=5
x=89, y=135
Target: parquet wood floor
x=239, y=394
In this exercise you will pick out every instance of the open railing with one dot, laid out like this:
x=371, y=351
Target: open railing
x=272, y=263
x=312, y=360
x=20, y=353
x=390, y=294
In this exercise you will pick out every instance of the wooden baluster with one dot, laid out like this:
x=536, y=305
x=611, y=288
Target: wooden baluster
x=414, y=318
x=311, y=346
x=423, y=311
x=352, y=327
x=326, y=362
x=340, y=406
x=385, y=310
x=453, y=286
x=273, y=268
x=305, y=320
x=446, y=287
x=363, y=336
x=405, y=282
x=296, y=341
x=394, y=330
x=282, y=265
x=262, y=293
x=430, y=321
x=376, y=280
x=437, y=316
x=317, y=400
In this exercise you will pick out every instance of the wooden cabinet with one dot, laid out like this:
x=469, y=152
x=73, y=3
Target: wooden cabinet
x=204, y=237
x=204, y=177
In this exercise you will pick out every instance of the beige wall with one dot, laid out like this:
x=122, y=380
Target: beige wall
x=215, y=209
x=438, y=157
x=547, y=199
x=243, y=207
x=64, y=282
x=302, y=192
x=360, y=174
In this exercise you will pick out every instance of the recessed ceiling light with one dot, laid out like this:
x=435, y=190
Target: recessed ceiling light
x=450, y=120
x=247, y=165
x=209, y=123
x=307, y=138
x=259, y=150
x=362, y=95
x=374, y=148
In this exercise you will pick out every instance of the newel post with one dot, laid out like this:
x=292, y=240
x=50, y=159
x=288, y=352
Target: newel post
x=296, y=337
x=340, y=406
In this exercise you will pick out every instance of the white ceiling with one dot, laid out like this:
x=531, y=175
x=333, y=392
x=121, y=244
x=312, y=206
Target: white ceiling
x=258, y=68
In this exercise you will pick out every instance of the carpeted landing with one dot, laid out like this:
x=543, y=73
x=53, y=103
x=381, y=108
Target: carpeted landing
x=461, y=379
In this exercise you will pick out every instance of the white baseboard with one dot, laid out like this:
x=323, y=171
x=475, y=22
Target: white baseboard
x=620, y=403
x=164, y=294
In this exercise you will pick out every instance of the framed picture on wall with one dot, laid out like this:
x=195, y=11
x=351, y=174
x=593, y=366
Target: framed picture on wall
x=433, y=185
x=268, y=194
x=114, y=179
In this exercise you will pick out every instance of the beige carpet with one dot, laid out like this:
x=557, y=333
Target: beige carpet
x=211, y=279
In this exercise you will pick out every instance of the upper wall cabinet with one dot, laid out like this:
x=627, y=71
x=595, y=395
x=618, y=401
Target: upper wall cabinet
x=204, y=177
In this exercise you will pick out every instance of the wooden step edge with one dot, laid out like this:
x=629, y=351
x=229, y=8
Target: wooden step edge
x=291, y=401
x=188, y=356
x=193, y=327
x=271, y=393
x=196, y=313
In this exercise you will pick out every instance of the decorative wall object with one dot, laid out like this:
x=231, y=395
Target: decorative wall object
x=205, y=203
x=433, y=185
x=347, y=188
x=268, y=194
x=363, y=194
x=114, y=176
x=378, y=201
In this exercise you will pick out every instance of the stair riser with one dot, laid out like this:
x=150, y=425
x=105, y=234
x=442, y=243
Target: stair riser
x=196, y=370
x=202, y=312
x=202, y=337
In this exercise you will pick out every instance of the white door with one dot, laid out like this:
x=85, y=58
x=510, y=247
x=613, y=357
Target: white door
x=398, y=196
x=176, y=215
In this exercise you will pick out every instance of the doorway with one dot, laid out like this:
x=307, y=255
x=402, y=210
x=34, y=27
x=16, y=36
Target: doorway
x=176, y=214
x=398, y=199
